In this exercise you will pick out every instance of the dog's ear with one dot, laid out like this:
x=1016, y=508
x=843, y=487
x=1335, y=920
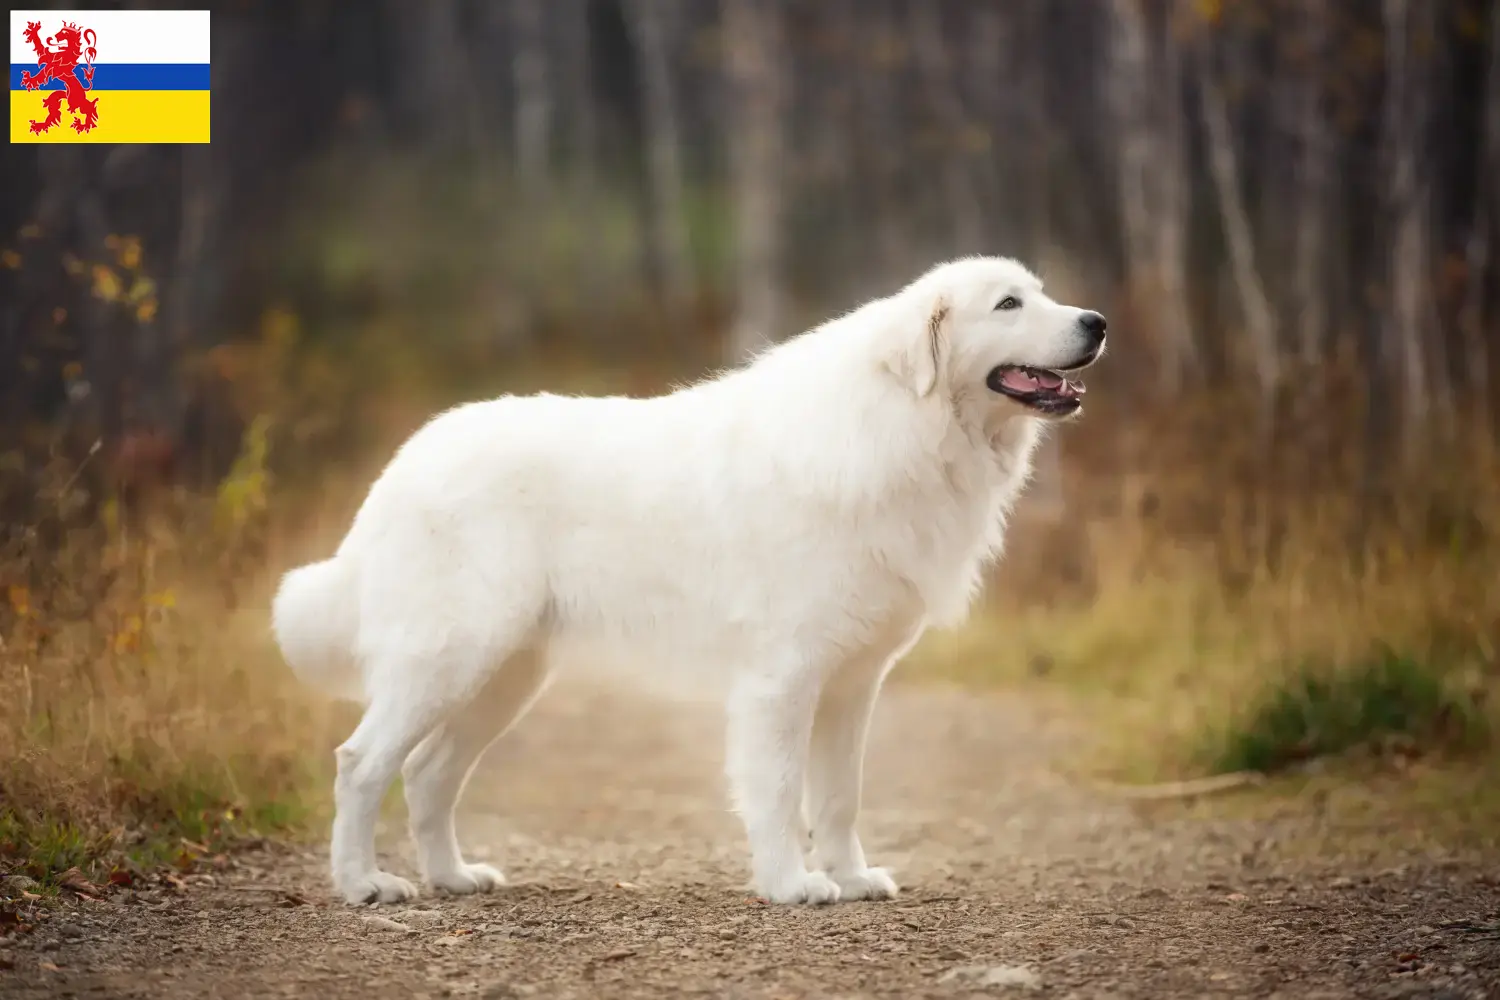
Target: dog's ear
x=921, y=354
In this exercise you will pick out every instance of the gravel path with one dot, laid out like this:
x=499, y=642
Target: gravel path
x=628, y=881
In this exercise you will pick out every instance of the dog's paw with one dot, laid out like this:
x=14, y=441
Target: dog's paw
x=375, y=887
x=815, y=888
x=869, y=883
x=469, y=879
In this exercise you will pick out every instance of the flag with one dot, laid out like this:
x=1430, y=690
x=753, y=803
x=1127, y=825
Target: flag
x=109, y=76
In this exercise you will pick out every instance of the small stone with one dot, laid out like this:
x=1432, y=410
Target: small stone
x=1342, y=882
x=725, y=934
x=421, y=918
x=994, y=975
x=385, y=924
x=1261, y=948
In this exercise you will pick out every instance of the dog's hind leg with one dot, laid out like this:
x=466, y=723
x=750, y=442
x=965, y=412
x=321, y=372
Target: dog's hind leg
x=437, y=770
x=395, y=721
x=415, y=685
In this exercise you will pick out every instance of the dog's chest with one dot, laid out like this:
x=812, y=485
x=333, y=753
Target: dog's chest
x=941, y=539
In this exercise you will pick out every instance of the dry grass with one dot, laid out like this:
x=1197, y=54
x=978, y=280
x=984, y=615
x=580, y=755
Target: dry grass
x=144, y=710
x=1194, y=587
x=138, y=708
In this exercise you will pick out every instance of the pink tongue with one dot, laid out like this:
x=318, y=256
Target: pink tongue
x=1023, y=381
x=1015, y=378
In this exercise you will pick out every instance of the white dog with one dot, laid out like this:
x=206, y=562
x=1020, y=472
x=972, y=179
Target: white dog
x=795, y=523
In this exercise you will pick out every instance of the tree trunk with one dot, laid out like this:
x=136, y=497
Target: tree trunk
x=1223, y=166
x=935, y=63
x=1479, y=250
x=196, y=277
x=1127, y=83
x=1153, y=191
x=575, y=87
x=576, y=84
x=435, y=93
x=653, y=29
x=1314, y=174
x=1033, y=119
x=752, y=33
x=529, y=71
x=1407, y=262
x=878, y=97
x=1173, y=208
x=73, y=214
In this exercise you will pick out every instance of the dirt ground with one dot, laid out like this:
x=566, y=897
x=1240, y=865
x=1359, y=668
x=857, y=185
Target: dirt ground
x=628, y=880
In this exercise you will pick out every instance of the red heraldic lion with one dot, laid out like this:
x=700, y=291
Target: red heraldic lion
x=55, y=60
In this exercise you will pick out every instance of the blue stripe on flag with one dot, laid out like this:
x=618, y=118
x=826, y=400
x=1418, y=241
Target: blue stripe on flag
x=128, y=76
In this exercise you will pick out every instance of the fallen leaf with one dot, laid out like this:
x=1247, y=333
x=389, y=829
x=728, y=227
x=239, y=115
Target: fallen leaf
x=121, y=877
x=191, y=845
x=74, y=881
x=50, y=966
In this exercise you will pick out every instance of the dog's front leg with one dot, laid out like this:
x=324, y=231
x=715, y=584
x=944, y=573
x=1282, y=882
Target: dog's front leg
x=834, y=777
x=769, y=724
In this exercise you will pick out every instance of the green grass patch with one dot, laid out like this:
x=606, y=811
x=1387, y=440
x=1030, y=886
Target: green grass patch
x=176, y=826
x=1322, y=710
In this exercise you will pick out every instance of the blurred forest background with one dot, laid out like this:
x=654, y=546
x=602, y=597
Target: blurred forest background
x=1289, y=209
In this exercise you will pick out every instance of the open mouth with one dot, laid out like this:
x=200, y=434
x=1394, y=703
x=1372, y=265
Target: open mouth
x=1040, y=389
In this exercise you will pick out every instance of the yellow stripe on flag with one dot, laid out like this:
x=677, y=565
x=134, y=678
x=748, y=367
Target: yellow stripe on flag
x=124, y=116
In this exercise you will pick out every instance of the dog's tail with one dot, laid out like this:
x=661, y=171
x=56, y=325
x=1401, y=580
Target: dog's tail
x=315, y=616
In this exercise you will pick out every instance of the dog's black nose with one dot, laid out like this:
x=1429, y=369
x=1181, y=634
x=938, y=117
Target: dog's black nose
x=1093, y=324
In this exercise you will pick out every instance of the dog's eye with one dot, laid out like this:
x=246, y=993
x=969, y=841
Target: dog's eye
x=1009, y=302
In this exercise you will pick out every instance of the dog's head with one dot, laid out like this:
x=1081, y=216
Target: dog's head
x=984, y=324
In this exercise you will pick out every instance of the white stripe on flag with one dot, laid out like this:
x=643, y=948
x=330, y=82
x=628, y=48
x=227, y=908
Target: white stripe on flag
x=124, y=36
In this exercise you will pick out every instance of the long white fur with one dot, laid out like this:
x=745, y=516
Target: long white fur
x=793, y=524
